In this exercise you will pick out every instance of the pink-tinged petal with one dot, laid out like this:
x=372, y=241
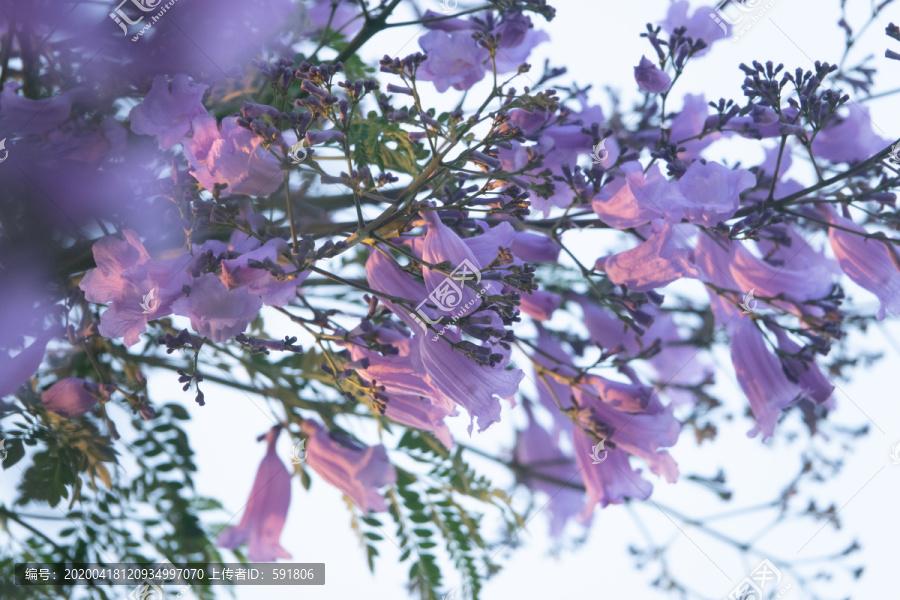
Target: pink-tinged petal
x=112, y=256
x=540, y=305
x=640, y=434
x=635, y=199
x=711, y=192
x=69, y=397
x=609, y=482
x=166, y=113
x=214, y=311
x=652, y=264
x=266, y=510
x=357, y=470
x=760, y=375
x=868, y=262
x=232, y=156
x=384, y=275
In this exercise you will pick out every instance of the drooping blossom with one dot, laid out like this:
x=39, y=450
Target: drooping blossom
x=650, y=78
x=266, y=510
x=689, y=123
x=232, y=156
x=216, y=312
x=761, y=377
x=169, y=113
x=72, y=397
x=411, y=399
x=357, y=470
x=802, y=368
x=554, y=473
x=870, y=263
x=610, y=481
x=518, y=37
x=533, y=247
x=852, y=139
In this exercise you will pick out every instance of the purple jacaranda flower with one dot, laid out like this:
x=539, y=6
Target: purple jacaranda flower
x=214, y=311
x=266, y=510
x=677, y=363
x=635, y=419
x=870, y=263
x=135, y=288
x=540, y=304
x=650, y=78
x=232, y=156
x=554, y=387
x=338, y=15
x=357, y=470
x=529, y=121
x=477, y=392
x=610, y=481
x=169, y=113
x=533, y=247
x=412, y=400
x=704, y=24
x=711, y=193
x=236, y=273
x=485, y=247
x=761, y=377
x=517, y=39
x=815, y=385
x=320, y=137
x=636, y=198
x=454, y=59
x=554, y=473
x=606, y=330
x=690, y=122
x=436, y=20
x=850, y=140
x=652, y=264
x=72, y=397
